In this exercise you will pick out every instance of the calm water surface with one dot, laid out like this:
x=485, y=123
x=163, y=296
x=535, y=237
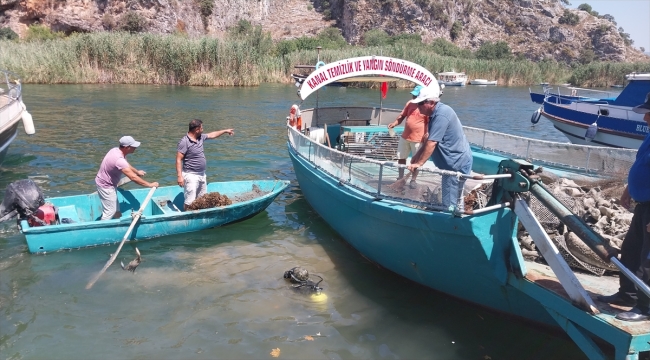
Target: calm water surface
x=219, y=293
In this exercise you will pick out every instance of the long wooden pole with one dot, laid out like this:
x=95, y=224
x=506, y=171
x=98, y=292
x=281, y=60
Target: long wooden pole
x=136, y=217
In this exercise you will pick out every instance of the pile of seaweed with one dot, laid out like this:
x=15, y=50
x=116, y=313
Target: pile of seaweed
x=209, y=200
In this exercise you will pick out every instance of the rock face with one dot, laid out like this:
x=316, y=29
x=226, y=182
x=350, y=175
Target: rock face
x=532, y=28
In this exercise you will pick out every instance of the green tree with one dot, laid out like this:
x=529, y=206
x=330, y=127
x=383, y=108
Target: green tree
x=587, y=55
x=41, y=33
x=206, y=7
x=376, y=37
x=626, y=37
x=585, y=7
x=407, y=38
x=133, y=22
x=242, y=28
x=456, y=30
x=610, y=18
x=493, y=51
x=285, y=47
x=445, y=48
x=331, y=38
x=7, y=34
x=569, y=18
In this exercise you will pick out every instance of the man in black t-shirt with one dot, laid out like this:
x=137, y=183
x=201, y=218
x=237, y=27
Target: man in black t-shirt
x=191, y=163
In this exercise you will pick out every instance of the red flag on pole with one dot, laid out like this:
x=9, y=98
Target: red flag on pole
x=384, y=89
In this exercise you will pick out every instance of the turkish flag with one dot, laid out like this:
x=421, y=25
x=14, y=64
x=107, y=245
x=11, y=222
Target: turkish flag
x=384, y=89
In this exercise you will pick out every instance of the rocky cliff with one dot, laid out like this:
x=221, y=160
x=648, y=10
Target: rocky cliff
x=535, y=29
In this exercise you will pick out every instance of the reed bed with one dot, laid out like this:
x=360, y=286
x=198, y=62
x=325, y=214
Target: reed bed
x=140, y=59
x=168, y=59
x=601, y=74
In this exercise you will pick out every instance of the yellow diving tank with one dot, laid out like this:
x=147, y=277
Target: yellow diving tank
x=28, y=122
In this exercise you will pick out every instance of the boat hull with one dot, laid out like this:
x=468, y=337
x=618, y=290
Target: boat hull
x=612, y=132
x=452, y=83
x=160, y=217
x=434, y=249
x=482, y=82
x=6, y=137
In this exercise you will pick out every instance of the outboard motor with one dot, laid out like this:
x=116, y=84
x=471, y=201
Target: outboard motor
x=22, y=198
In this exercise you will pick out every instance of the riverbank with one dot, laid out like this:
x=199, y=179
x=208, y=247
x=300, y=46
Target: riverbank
x=170, y=59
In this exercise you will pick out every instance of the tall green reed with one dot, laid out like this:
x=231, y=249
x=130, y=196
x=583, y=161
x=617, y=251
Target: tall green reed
x=119, y=57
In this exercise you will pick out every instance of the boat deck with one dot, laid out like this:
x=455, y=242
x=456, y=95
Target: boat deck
x=4, y=100
x=542, y=275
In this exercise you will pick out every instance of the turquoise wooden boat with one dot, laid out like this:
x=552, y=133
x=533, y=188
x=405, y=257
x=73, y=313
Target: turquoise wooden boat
x=472, y=255
x=80, y=226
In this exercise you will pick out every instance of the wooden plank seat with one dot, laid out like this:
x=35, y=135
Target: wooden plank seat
x=163, y=205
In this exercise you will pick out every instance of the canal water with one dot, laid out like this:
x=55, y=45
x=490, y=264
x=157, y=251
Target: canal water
x=220, y=293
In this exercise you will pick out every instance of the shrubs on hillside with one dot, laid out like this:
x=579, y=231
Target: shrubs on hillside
x=493, y=51
x=42, y=32
x=133, y=22
x=7, y=34
x=569, y=18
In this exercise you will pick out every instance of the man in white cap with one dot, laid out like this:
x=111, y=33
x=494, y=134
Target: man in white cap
x=110, y=171
x=635, y=250
x=446, y=145
x=415, y=132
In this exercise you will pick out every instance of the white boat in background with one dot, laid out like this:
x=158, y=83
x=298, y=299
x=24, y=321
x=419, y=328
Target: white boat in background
x=12, y=109
x=452, y=78
x=483, y=82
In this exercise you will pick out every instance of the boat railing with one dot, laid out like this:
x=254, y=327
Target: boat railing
x=10, y=88
x=378, y=178
x=590, y=160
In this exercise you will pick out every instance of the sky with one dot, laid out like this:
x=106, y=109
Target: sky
x=632, y=15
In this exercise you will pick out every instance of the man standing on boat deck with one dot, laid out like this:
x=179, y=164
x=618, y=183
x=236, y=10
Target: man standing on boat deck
x=635, y=251
x=191, y=163
x=446, y=145
x=114, y=165
x=415, y=132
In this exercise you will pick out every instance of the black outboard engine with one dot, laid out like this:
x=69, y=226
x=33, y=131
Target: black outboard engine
x=22, y=198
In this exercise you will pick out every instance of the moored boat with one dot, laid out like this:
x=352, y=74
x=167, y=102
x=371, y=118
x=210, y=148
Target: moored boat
x=472, y=254
x=452, y=78
x=605, y=121
x=567, y=94
x=78, y=223
x=12, y=110
x=482, y=82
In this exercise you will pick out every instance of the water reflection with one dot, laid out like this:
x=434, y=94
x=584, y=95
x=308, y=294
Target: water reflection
x=220, y=292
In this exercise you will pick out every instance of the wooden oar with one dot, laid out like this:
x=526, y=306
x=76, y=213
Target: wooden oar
x=136, y=217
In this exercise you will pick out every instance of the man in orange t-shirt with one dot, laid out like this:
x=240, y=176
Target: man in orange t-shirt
x=415, y=132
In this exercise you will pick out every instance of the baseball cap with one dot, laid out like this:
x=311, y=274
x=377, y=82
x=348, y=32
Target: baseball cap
x=643, y=108
x=416, y=90
x=129, y=141
x=428, y=93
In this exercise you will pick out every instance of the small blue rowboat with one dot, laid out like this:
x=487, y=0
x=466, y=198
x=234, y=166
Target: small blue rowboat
x=80, y=226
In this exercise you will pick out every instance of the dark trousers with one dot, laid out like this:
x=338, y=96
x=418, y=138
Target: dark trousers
x=634, y=254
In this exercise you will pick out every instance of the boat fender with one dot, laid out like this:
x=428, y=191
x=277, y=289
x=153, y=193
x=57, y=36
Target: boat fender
x=28, y=123
x=536, y=115
x=591, y=132
x=319, y=64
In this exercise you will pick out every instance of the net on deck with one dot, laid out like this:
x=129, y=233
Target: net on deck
x=368, y=163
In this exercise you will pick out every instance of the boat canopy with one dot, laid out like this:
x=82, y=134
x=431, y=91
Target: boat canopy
x=635, y=92
x=366, y=69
